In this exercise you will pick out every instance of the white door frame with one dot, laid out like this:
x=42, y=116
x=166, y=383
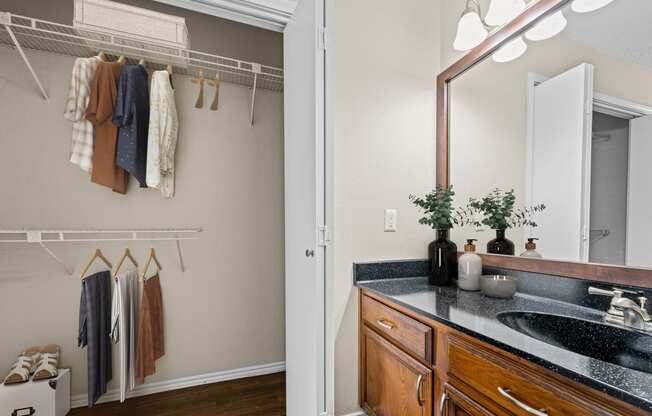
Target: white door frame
x=316, y=330
x=602, y=103
x=329, y=45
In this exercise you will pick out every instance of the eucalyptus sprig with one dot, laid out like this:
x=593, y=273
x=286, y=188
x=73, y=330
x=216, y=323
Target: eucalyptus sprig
x=498, y=211
x=438, y=209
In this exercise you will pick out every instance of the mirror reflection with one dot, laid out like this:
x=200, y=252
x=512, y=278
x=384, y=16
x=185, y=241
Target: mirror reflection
x=562, y=115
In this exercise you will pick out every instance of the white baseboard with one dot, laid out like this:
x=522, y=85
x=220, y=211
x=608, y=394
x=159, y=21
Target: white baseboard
x=358, y=413
x=81, y=400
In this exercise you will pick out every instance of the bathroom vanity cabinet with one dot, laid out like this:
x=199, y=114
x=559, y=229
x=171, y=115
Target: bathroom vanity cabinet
x=412, y=365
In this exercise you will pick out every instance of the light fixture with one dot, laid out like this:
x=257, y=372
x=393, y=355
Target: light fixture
x=511, y=50
x=502, y=11
x=585, y=6
x=548, y=27
x=470, y=29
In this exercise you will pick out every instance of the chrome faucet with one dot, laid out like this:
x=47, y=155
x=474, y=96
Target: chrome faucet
x=625, y=311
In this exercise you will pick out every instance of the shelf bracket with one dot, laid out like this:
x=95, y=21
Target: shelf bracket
x=256, y=68
x=182, y=266
x=5, y=20
x=57, y=259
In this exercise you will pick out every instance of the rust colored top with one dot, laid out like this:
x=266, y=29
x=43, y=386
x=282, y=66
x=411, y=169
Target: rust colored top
x=102, y=100
x=151, y=342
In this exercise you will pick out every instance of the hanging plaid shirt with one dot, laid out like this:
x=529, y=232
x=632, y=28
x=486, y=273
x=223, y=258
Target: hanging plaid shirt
x=81, y=149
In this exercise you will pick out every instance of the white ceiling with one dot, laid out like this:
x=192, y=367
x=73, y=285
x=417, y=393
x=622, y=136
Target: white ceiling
x=268, y=14
x=622, y=29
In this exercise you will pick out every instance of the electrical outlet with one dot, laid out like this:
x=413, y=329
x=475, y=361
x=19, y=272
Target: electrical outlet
x=390, y=220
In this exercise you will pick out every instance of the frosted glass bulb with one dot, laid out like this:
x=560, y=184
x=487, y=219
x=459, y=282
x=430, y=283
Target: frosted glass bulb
x=511, y=50
x=548, y=27
x=502, y=11
x=470, y=32
x=585, y=6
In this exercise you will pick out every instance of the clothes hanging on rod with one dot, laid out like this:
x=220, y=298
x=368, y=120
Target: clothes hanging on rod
x=162, y=135
x=100, y=112
x=124, y=320
x=94, y=327
x=151, y=340
x=134, y=320
x=81, y=148
x=131, y=115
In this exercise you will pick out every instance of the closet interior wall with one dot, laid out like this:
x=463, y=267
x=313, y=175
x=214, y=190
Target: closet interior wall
x=227, y=310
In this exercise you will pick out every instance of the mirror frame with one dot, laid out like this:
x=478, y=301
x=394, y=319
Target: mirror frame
x=612, y=274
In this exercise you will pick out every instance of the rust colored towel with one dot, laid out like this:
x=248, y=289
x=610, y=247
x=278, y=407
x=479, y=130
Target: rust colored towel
x=151, y=345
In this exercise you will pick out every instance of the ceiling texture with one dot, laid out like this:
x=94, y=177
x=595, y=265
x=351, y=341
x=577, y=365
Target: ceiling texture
x=267, y=14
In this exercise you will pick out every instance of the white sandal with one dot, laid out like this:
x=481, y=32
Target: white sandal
x=48, y=365
x=23, y=367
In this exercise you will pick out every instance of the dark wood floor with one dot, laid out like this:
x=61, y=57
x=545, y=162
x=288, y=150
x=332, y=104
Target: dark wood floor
x=255, y=396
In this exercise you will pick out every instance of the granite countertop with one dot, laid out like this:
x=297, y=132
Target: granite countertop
x=475, y=314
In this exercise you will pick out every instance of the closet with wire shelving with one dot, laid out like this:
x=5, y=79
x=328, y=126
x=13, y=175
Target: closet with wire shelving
x=217, y=243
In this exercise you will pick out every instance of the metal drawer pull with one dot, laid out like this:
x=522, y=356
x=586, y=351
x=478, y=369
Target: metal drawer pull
x=506, y=393
x=419, y=398
x=385, y=324
x=442, y=404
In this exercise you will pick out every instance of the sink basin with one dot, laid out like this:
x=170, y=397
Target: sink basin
x=597, y=340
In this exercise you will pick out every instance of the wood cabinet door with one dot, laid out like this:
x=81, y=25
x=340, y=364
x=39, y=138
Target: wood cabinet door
x=393, y=383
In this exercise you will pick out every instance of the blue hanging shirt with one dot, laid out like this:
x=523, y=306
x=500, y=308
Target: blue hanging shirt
x=131, y=115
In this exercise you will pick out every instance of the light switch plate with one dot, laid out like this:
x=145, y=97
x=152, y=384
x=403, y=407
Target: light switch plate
x=390, y=220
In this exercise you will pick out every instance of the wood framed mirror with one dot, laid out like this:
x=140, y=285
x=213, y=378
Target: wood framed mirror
x=583, y=268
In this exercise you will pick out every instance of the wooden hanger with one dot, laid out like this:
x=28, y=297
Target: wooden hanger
x=141, y=62
x=97, y=255
x=121, y=59
x=126, y=255
x=199, y=80
x=216, y=99
x=152, y=256
x=102, y=56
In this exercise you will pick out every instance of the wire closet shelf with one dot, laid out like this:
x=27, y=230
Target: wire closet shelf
x=42, y=236
x=42, y=35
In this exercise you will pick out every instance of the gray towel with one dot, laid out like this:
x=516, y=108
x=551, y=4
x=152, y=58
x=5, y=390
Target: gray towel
x=94, y=332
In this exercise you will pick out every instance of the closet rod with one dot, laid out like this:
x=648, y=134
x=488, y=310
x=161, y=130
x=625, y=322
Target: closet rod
x=68, y=40
x=53, y=236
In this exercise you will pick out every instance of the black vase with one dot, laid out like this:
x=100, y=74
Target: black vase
x=500, y=245
x=442, y=254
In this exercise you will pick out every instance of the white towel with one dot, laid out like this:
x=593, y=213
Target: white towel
x=124, y=325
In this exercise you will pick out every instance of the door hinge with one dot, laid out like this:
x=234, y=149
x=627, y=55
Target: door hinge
x=324, y=236
x=322, y=38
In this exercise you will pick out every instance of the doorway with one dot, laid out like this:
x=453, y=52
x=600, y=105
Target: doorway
x=609, y=167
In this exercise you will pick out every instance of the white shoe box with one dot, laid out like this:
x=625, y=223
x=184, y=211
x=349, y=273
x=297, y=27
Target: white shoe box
x=38, y=398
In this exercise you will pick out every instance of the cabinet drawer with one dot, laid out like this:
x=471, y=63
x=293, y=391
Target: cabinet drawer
x=515, y=388
x=414, y=336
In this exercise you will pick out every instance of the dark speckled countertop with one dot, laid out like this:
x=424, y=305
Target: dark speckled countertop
x=475, y=314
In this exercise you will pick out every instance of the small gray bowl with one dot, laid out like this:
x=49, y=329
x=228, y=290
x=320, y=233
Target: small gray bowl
x=498, y=286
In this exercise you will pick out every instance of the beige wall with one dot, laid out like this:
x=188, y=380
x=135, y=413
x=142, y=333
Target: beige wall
x=386, y=64
x=227, y=310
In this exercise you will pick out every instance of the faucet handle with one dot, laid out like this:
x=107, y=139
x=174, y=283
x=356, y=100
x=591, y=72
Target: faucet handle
x=602, y=292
